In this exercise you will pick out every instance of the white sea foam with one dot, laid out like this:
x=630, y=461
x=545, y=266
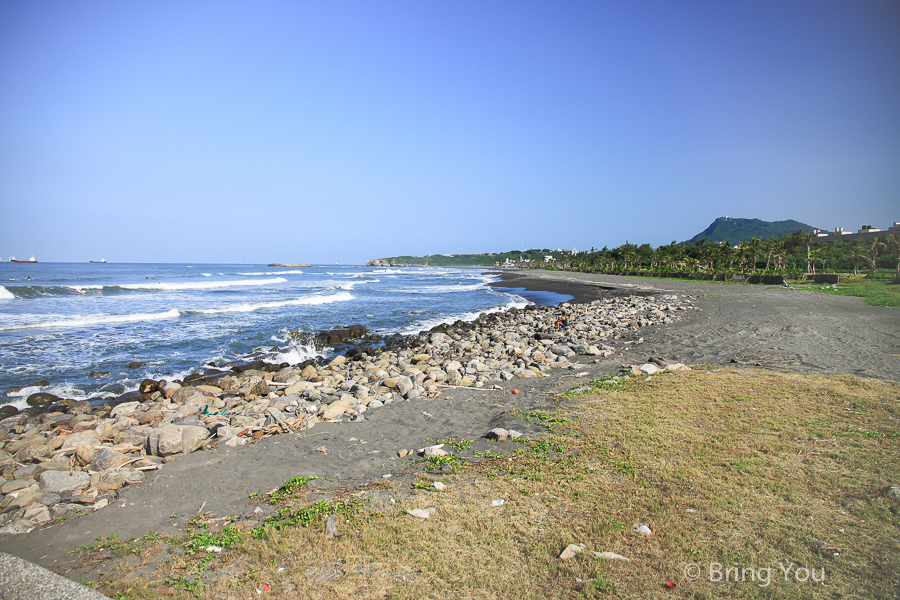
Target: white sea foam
x=349, y=285
x=293, y=355
x=5, y=294
x=516, y=302
x=63, y=390
x=204, y=285
x=206, y=274
x=87, y=320
x=273, y=273
x=442, y=289
x=312, y=300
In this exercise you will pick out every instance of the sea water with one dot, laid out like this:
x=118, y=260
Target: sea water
x=78, y=326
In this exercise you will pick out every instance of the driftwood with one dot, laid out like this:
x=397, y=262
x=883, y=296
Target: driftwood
x=280, y=421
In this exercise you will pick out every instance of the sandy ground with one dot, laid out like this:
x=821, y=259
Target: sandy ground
x=748, y=325
x=774, y=327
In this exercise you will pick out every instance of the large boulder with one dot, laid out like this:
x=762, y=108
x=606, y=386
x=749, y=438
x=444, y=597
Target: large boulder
x=116, y=478
x=561, y=350
x=297, y=388
x=338, y=407
x=63, y=481
x=33, y=453
x=126, y=408
x=41, y=398
x=176, y=438
x=181, y=395
x=89, y=436
x=168, y=388
x=107, y=458
x=85, y=452
x=404, y=385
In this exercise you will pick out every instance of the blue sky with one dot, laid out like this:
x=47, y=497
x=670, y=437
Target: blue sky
x=343, y=131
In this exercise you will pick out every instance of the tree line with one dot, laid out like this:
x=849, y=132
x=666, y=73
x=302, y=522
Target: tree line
x=792, y=253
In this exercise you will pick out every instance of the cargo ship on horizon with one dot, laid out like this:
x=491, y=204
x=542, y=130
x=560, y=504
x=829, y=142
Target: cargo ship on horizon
x=12, y=259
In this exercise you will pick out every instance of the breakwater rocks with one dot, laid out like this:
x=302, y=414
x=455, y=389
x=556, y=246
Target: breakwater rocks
x=63, y=458
x=289, y=265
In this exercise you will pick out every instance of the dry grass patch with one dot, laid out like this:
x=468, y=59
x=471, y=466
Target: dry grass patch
x=747, y=469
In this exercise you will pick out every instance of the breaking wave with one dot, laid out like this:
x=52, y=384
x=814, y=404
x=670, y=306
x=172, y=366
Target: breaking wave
x=305, y=301
x=88, y=320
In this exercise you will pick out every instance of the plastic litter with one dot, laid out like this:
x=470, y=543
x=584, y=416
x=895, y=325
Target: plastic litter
x=669, y=584
x=499, y=502
x=263, y=587
x=515, y=392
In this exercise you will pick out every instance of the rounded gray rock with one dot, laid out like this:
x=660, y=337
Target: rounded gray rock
x=63, y=481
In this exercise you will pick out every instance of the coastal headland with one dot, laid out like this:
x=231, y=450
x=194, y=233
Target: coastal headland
x=154, y=462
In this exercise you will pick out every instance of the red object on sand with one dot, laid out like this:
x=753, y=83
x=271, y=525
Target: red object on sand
x=263, y=587
x=515, y=391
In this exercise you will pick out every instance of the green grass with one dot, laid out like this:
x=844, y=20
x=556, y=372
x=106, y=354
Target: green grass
x=876, y=292
x=800, y=479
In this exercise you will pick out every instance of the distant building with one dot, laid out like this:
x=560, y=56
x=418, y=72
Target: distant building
x=866, y=233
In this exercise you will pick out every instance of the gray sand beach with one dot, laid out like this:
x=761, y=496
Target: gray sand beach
x=739, y=325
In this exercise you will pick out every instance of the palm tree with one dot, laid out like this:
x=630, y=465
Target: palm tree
x=778, y=250
x=875, y=248
x=893, y=245
x=811, y=240
x=856, y=254
x=755, y=247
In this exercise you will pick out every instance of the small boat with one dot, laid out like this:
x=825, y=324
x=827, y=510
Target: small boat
x=98, y=262
x=30, y=260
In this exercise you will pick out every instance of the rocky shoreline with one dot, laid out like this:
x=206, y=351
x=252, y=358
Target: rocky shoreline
x=64, y=458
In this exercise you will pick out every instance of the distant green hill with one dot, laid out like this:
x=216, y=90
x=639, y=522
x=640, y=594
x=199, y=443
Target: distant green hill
x=469, y=260
x=734, y=231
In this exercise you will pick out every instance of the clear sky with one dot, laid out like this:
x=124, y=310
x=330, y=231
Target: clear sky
x=330, y=131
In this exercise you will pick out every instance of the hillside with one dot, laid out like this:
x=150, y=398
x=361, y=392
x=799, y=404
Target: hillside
x=733, y=231
x=468, y=260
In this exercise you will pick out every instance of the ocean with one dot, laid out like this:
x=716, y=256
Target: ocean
x=74, y=328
